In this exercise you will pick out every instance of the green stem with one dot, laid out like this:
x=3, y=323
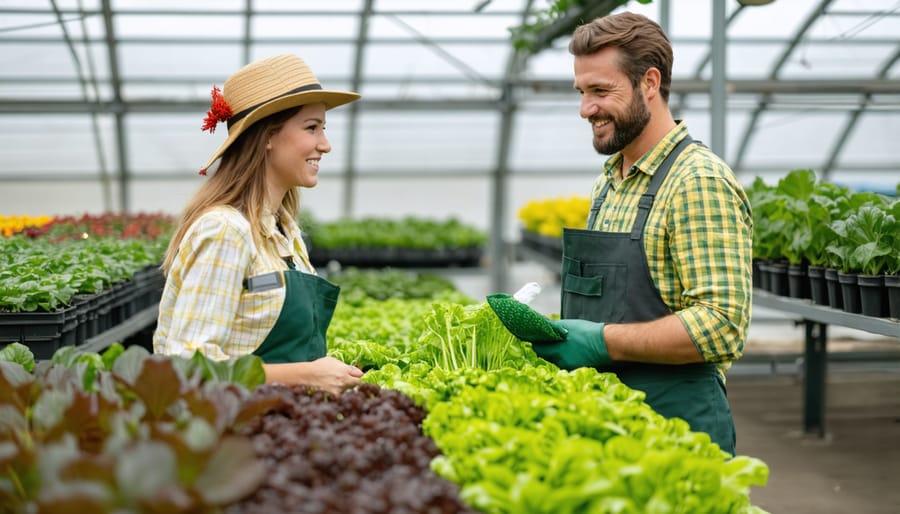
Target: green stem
x=472, y=347
x=14, y=478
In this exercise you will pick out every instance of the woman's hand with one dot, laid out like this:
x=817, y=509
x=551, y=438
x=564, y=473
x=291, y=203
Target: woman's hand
x=327, y=373
x=333, y=375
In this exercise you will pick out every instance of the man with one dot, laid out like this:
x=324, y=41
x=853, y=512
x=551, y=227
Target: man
x=658, y=288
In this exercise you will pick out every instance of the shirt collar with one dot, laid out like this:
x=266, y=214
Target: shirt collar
x=650, y=161
x=270, y=229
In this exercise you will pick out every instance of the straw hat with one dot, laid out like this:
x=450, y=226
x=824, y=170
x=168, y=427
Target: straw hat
x=263, y=88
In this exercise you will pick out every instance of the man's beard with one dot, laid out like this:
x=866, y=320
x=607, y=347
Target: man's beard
x=626, y=129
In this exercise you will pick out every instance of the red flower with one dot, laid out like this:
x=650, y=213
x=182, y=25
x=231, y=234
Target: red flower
x=218, y=111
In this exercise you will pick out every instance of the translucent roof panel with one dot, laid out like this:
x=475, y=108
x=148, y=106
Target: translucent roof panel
x=809, y=83
x=166, y=26
x=157, y=61
x=330, y=62
x=309, y=25
x=809, y=133
x=873, y=140
x=474, y=63
x=837, y=61
x=403, y=141
x=551, y=138
x=51, y=144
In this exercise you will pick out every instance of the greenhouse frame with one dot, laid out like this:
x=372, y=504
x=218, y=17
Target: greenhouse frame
x=433, y=332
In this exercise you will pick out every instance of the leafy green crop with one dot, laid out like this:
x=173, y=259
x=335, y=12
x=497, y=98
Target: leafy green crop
x=823, y=224
x=470, y=336
x=866, y=241
x=40, y=275
x=536, y=439
x=409, y=232
x=381, y=284
x=125, y=432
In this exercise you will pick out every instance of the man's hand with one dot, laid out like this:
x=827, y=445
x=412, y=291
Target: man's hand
x=583, y=346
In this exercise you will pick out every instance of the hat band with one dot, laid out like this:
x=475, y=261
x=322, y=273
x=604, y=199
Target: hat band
x=241, y=115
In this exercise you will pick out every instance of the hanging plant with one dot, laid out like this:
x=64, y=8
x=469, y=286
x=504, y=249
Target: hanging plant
x=559, y=19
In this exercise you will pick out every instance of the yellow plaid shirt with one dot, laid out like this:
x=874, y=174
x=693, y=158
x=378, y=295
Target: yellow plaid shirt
x=697, y=240
x=204, y=305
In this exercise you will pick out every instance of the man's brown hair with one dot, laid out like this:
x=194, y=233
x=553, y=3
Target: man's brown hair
x=641, y=41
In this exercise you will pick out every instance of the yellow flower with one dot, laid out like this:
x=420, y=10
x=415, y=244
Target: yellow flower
x=550, y=215
x=12, y=225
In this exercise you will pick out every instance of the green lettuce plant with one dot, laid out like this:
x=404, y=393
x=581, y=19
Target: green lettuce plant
x=866, y=241
x=125, y=431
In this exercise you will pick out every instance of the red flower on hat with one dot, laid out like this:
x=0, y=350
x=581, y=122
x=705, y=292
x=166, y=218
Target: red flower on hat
x=218, y=111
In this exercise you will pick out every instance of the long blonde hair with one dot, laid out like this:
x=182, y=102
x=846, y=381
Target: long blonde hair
x=240, y=182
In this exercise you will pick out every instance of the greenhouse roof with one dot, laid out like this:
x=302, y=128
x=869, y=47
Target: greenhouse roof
x=119, y=87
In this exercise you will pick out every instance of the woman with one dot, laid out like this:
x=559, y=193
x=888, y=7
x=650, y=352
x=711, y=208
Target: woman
x=238, y=276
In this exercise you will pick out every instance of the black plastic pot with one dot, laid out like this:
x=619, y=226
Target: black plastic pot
x=798, y=281
x=764, y=275
x=818, y=288
x=892, y=285
x=850, y=292
x=873, y=296
x=42, y=332
x=835, y=298
x=778, y=278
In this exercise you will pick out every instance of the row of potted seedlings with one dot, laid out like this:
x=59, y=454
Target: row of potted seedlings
x=812, y=240
x=828, y=244
x=70, y=279
x=374, y=242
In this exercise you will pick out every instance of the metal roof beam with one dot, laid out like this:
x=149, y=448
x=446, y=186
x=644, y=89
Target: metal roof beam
x=550, y=89
x=246, y=40
x=744, y=143
x=556, y=86
x=117, y=106
x=386, y=40
x=353, y=121
x=267, y=12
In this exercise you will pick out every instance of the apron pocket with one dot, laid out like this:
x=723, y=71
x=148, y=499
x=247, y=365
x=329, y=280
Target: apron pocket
x=587, y=286
x=594, y=292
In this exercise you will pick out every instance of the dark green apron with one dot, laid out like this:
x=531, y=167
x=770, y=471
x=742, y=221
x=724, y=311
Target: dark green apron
x=299, y=333
x=605, y=278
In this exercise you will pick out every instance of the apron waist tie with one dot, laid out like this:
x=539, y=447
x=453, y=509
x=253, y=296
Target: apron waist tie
x=638, y=372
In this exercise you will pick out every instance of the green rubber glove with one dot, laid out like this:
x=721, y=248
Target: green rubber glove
x=583, y=346
x=524, y=322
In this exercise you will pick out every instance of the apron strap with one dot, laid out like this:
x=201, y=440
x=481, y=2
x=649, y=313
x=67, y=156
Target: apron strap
x=646, y=201
x=595, y=206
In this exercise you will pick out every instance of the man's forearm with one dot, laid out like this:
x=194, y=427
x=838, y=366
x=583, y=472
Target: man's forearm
x=661, y=341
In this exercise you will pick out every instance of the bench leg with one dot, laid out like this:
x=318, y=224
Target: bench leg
x=815, y=362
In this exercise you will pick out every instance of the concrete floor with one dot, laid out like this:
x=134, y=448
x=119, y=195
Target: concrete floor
x=855, y=468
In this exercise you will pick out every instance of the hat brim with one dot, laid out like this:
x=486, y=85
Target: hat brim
x=331, y=99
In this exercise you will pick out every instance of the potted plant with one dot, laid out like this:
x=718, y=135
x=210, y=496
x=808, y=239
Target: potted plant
x=892, y=274
x=865, y=248
x=769, y=236
x=820, y=206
